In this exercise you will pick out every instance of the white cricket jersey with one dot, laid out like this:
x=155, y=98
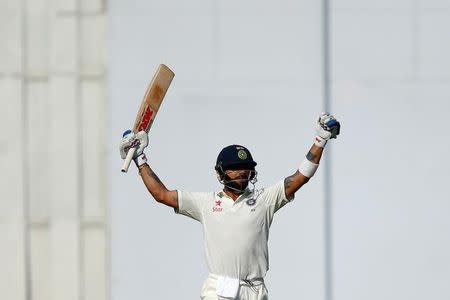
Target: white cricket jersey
x=235, y=233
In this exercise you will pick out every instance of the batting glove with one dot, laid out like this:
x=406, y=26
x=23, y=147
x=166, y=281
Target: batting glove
x=134, y=140
x=327, y=127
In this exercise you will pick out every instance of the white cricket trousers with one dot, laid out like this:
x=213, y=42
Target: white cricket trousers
x=254, y=291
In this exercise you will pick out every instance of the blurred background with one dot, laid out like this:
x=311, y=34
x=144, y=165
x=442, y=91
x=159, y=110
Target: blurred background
x=372, y=224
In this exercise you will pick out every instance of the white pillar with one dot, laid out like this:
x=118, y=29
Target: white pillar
x=53, y=241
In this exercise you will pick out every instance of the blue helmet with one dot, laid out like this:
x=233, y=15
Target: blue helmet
x=235, y=156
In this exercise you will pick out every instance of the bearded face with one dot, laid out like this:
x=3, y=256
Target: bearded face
x=238, y=180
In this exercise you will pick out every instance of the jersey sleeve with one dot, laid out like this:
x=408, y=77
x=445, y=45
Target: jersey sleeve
x=275, y=196
x=191, y=204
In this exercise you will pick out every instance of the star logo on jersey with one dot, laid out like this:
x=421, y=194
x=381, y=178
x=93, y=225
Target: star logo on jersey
x=217, y=207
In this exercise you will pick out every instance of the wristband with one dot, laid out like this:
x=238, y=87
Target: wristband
x=320, y=142
x=308, y=168
x=140, y=160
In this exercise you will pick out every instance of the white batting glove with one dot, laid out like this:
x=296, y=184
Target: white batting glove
x=134, y=140
x=327, y=127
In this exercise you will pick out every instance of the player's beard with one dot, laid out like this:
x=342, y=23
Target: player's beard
x=238, y=184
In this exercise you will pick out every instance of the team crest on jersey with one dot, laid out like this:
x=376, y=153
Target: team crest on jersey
x=251, y=202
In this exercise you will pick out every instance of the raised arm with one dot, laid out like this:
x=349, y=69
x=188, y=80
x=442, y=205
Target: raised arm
x=294, y=182
x=151, y=181
x=157, y=188
x=327, y=127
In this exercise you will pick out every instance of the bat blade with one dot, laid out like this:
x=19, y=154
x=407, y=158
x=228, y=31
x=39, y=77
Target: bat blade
x=150, y=104
x=153, y=98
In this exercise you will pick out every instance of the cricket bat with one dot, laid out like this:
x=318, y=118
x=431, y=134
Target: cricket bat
x=150, y=105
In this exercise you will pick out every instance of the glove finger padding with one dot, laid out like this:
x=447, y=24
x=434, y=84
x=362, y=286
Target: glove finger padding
x=131, y=139
x=327, y=126
x=322, y=132
x=323, y=116
x=126, y=143
x=334, y=127
x=142, y=136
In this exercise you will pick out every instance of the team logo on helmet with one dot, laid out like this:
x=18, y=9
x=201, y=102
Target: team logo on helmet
x=242, y=154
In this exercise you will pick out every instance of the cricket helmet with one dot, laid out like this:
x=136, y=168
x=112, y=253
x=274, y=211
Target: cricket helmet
x=234, y=156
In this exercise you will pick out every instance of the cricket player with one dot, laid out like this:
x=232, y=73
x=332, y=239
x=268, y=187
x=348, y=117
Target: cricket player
x=235, y=220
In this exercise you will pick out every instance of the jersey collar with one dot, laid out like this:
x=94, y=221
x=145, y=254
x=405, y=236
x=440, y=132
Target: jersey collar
x=245, y=194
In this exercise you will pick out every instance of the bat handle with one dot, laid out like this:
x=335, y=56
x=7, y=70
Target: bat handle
x=126, y=163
